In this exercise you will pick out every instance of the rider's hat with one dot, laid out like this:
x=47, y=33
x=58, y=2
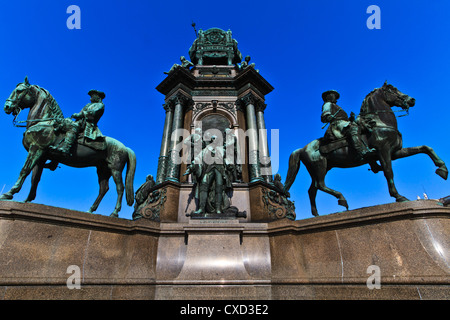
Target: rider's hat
x=99, y=93
x=324, y=95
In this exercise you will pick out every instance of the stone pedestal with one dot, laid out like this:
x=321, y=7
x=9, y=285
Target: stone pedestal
x=209, y=254
x=319, y=258
x=257, y=202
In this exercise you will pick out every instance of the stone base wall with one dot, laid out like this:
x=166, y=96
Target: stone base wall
x=325, y=257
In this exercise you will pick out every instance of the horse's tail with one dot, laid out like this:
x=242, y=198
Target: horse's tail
x=294, y=166
x=129, y=178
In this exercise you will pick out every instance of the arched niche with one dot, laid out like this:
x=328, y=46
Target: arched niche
x=214, y=119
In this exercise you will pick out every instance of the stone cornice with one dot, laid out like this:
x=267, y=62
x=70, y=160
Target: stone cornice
x=250, y=98
x=174, y=78
x=179, y=98
x=244, y=80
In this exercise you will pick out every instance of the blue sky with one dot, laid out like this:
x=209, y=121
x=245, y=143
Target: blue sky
x=301, y=47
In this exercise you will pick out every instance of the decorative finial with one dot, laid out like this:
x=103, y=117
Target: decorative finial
x=195, y=30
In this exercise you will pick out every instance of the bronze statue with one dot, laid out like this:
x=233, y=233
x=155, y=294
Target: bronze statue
x=246, y=64
x=195, y=144
x=339, y=124
x=141, y=196
x=445, y=201
x=212, y=180
x=277, y=182
x=86, y=124
x=184, y=64
x=379, y=130
x=232, y=155
x=44, y=133
x=144, y=190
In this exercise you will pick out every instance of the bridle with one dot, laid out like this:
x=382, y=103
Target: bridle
x=386, y=89
x=16, y=104
x=405, y=107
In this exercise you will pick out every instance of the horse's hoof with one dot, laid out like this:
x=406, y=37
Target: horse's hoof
x=6, y=196
x=375, y=168
x=343, y=202
x=401, y=199
x=114, y=215
x=315, y=213
x=442, y=172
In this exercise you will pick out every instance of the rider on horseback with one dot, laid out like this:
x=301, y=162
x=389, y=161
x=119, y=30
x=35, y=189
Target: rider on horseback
x=86, y=122
x=340, y=125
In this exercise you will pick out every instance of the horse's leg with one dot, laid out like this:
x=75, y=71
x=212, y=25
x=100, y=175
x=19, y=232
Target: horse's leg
x=34, y=156
x=117, y=176
x=318, y=174
x=386, y=163
x=35, y=178
x=312, y=192
x=407, y=152
x=103, y=181
x=341, y=199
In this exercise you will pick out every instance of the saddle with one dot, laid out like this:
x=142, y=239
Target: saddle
x=330, y=143
x=326, y=146
x=97, y=144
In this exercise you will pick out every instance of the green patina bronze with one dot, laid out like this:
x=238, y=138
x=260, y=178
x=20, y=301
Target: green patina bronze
x=215, y=47
x=213, y=174
x=51, y=137
x=373, y=136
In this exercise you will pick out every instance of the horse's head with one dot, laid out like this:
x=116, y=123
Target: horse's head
x=395, y=98
x=23, y=96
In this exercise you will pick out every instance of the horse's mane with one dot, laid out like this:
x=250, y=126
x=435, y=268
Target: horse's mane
x=53, y=106
x=364, y=103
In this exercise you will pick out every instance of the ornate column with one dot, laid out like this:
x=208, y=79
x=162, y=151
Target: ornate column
x=264, y=157
x=248, y=103
x=165, y=143
x=181, y=102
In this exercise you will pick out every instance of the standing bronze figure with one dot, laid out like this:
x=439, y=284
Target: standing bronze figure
x=45, y=132
x=210, y=173
x=379, y=131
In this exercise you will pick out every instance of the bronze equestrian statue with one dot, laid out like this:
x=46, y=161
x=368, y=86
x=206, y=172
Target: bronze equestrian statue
x=86, y=123
x=378, y=128
x=49, y=136
x=340, y=124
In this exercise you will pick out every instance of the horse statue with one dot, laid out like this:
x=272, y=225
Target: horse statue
x=379, y=131
x=42, y=135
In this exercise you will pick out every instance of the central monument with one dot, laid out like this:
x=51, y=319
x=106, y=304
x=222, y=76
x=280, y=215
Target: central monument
x=214, y=160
